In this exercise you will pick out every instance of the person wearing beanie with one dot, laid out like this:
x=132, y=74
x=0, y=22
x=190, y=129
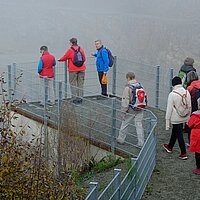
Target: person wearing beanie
x=185, y=69
x=189, y=61
x=179, y=102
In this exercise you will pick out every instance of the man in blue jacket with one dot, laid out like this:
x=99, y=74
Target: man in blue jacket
x=102, y=62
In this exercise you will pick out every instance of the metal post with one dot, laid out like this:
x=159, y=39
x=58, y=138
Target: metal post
x=113, y=125
x=114, y=76
x=59, y=132
x=59, y=96
x=14, y=77
x=54, y=80
x=66, y=66
x=157, y=85
x=134, y=163
x=46, y=140
x=93, y=187
x=9, y=83
x=171, y=77
x=117, y=183
x=149, y=125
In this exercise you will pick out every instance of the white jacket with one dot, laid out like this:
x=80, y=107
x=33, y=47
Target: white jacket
x=174, y=101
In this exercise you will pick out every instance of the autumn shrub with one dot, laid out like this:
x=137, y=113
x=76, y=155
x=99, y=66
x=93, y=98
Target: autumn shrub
x=25, y=173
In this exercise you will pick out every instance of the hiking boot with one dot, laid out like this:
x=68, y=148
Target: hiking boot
x=166, y=147
x=196, y=171
x=79, y=101
x=75, y=101
x=183, y=157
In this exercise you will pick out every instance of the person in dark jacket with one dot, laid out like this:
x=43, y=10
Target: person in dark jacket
x=185, y=69
x=102, y=64
x=193, y=86
x=46, y=69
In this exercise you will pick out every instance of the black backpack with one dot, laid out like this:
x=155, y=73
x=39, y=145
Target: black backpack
x=110, y=57
x=78, y=57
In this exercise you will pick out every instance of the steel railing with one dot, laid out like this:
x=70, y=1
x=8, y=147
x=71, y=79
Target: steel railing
x=95, y=114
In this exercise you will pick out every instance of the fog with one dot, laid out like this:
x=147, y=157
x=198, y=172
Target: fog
x=154, y=31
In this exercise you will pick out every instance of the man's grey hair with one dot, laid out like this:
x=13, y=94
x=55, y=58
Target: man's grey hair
x=130, y=75
x=98, y=41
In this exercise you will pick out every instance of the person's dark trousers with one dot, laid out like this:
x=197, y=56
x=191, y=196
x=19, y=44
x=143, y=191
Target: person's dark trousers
x=197, y=157
x=177, y=134
x=188, y=131
x=103, y=86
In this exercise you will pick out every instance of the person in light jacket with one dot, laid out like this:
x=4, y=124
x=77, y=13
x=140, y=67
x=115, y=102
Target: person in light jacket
x=130, y=114
x=173, y=117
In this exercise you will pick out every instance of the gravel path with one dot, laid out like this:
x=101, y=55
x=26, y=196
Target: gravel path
x=172, y=178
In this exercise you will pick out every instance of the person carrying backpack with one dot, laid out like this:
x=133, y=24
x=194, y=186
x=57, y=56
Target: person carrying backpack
x=103, y=62
x=76, y=66
x=185, y=69
x=134, y=101
x=178, y=112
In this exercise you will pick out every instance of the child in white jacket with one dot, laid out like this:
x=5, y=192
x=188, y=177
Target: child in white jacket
x=178, y=112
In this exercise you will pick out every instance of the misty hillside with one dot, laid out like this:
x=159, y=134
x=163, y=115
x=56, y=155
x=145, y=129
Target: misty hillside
x=154, y=31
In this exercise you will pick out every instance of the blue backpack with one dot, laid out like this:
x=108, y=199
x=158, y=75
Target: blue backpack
x=110, y=57
x=78, y=57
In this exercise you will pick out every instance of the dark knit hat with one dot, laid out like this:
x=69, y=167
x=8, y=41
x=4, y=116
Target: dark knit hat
x=189, y=61
x=176, y=81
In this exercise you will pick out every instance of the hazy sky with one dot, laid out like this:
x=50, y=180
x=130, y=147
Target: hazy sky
x=128, y=25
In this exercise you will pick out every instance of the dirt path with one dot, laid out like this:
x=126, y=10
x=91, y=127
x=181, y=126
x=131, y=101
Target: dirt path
x=172, y=178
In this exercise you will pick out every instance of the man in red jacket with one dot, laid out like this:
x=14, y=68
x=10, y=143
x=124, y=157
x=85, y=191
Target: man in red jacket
x=76, y=73
x=46, y=69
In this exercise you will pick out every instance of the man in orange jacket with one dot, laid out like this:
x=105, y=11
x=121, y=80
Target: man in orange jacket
x=76, y=73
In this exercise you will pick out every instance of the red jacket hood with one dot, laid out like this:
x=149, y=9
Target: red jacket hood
x=195, y=84
x=196, y=114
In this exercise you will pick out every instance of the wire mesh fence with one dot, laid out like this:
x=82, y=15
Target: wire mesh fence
x=98, y=118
